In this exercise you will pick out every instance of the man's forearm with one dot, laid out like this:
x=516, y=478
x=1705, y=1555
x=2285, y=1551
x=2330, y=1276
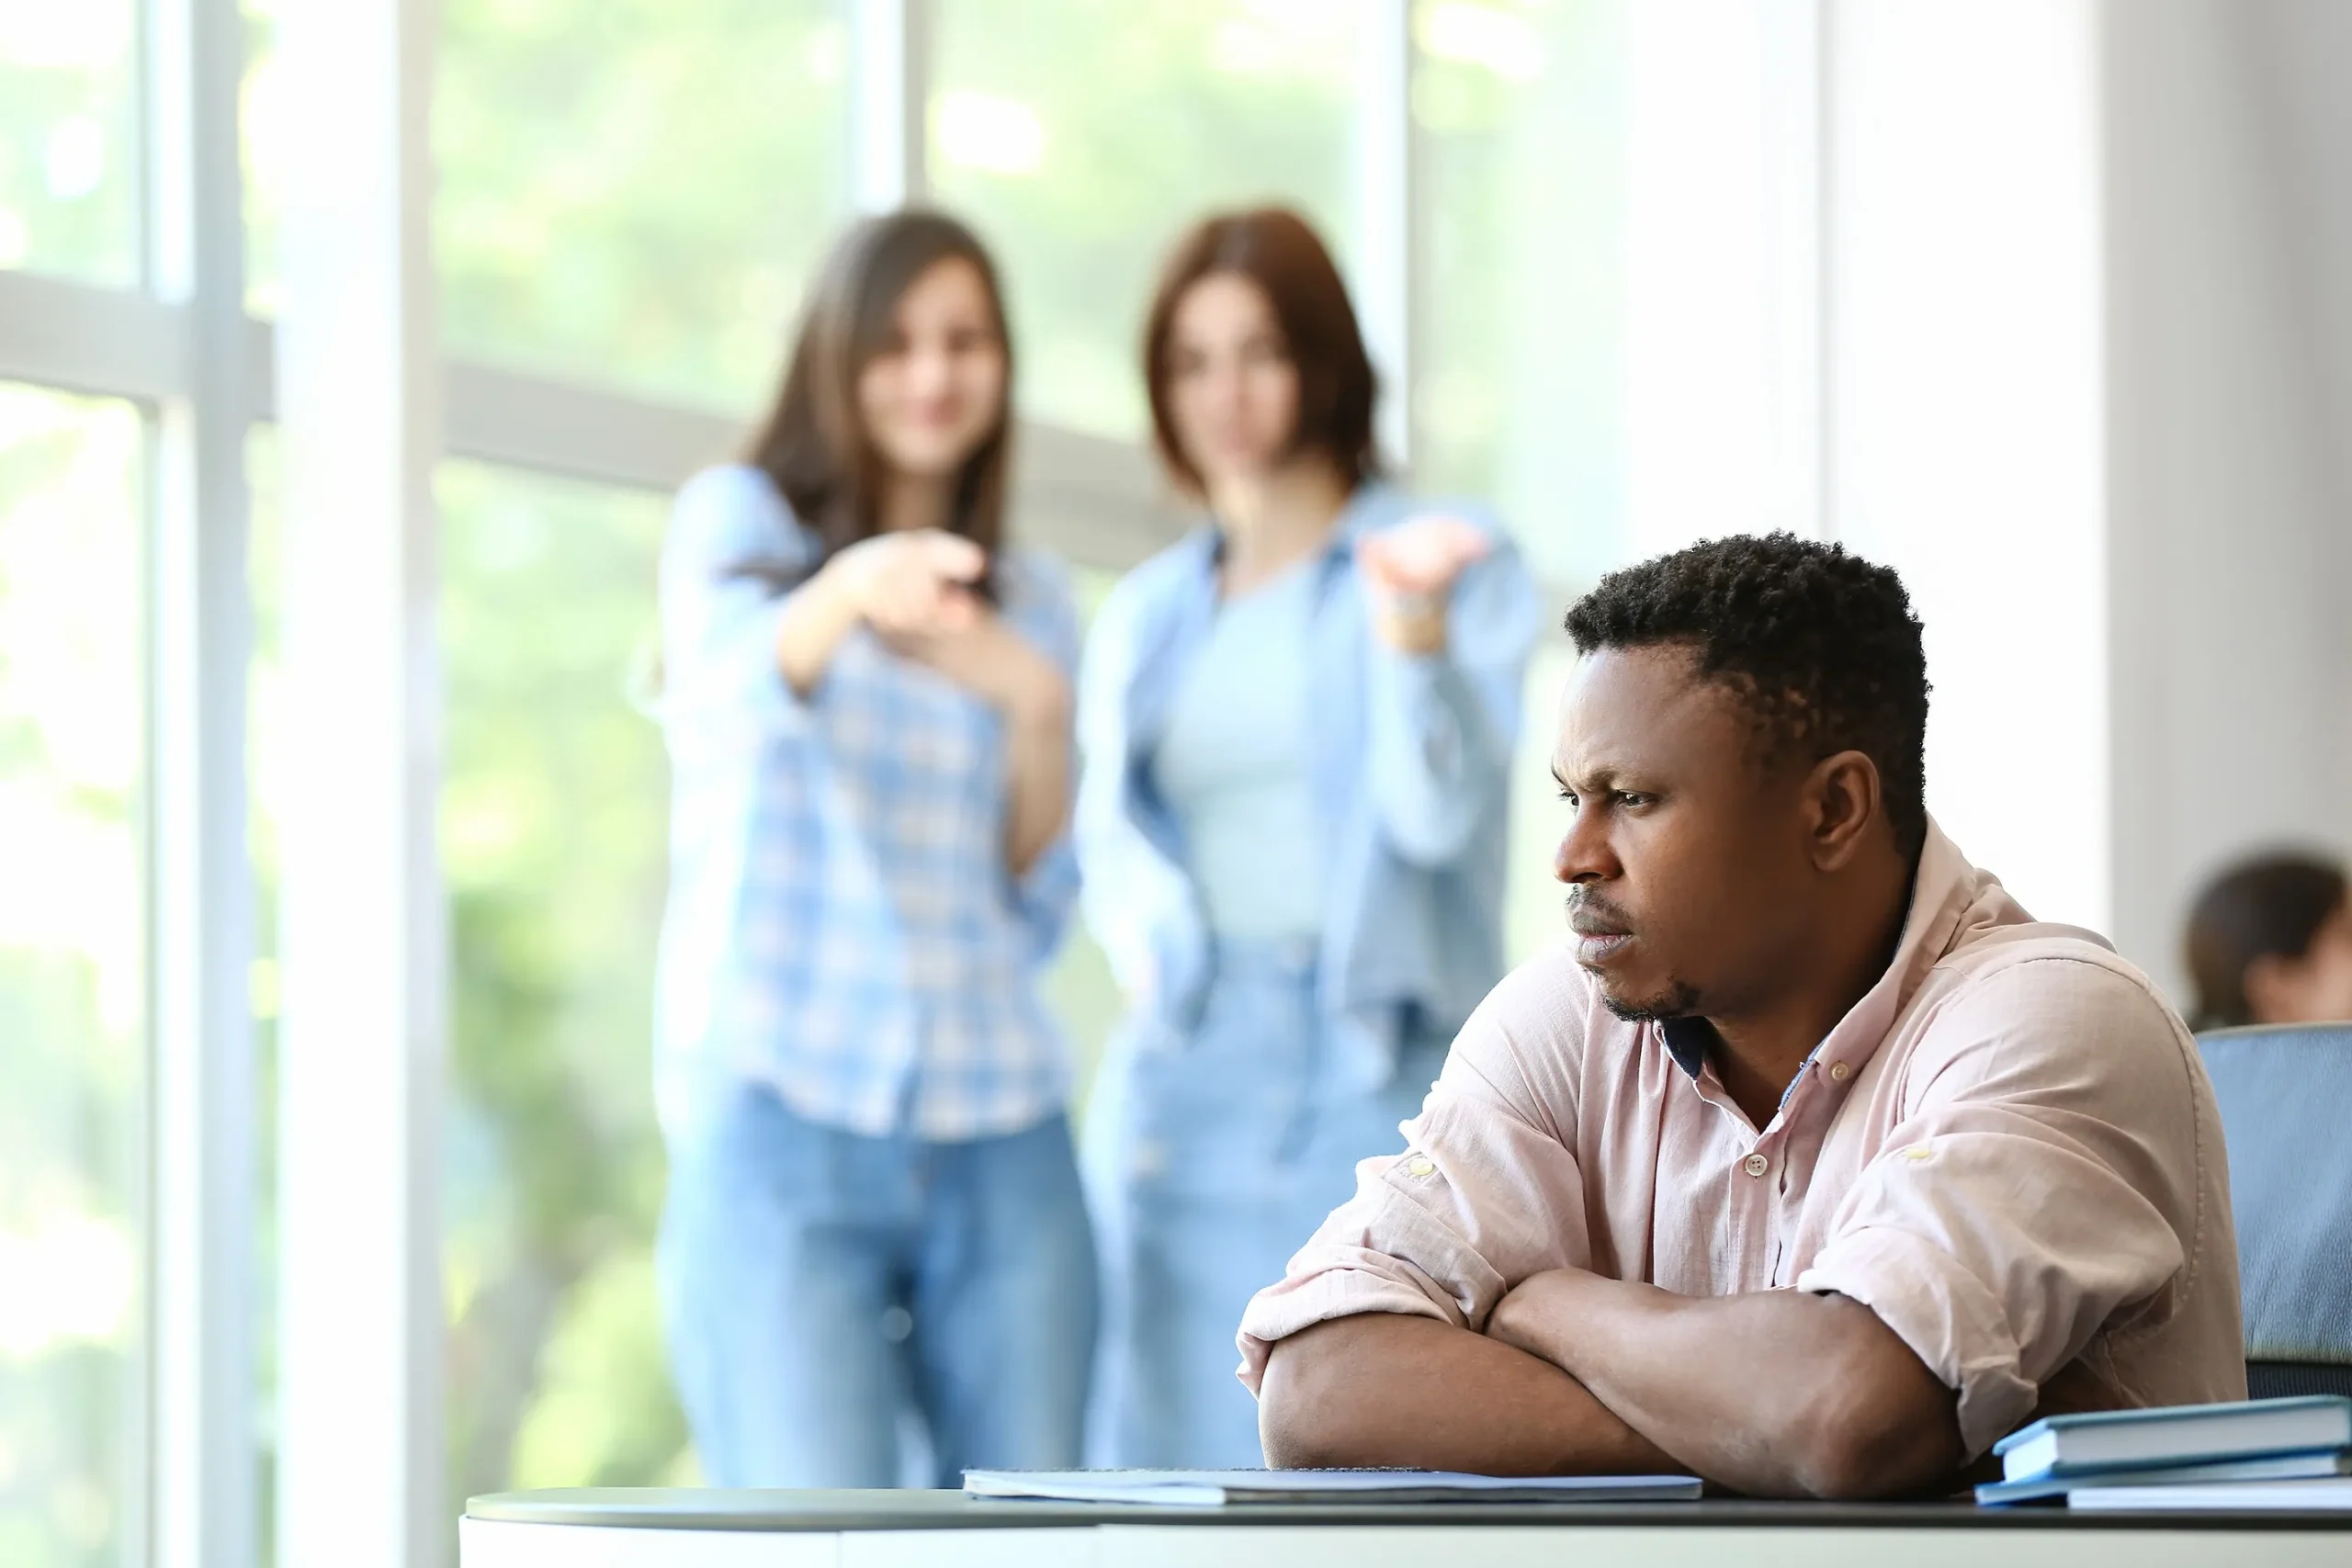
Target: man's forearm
x=1773, y=1393
x=1386, y=1388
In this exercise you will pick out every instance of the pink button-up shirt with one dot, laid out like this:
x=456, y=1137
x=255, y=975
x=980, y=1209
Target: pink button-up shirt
x=2007, y=1150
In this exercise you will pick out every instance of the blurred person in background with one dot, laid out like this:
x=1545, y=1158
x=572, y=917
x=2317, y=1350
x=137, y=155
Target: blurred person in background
x=873, y=1208
x=1297, y=724
x=2271, y=941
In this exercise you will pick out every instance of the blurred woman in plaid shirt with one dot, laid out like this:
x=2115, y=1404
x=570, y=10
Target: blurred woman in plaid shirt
x=873, y=1220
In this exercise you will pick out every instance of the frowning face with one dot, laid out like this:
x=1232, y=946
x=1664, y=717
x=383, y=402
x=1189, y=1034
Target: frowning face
x=1685, y=856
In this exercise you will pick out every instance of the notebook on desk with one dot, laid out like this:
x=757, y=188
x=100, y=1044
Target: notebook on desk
x=2285, y=1497
x=1218, y=1488
x=2234, y=1472
x=2188, y=1434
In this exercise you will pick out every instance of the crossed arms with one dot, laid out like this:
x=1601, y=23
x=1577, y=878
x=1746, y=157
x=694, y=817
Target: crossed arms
x=1776, y=1393
x=2040, y=1183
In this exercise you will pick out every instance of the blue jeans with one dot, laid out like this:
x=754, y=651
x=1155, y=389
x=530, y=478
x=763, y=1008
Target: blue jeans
x=1209, y=1161
x=847, y=1310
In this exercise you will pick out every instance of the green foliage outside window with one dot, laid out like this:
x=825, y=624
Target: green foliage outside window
x=553, y=830
x=70, y=164
x=72, y=1064
x=632, y=196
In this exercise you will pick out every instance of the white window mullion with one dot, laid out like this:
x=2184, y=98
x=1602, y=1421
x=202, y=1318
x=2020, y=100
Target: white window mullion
x=1389, y=261
x=891, y=50
x=358, y=397
x=201, y=1208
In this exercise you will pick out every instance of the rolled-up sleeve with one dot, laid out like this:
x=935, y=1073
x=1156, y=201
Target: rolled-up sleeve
x=1487, y=1193
x=2034, y=1193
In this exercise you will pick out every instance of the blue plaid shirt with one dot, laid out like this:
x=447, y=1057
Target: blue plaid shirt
x=841, y=924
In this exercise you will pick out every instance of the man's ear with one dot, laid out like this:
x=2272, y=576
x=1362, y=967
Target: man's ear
x=1842, y=802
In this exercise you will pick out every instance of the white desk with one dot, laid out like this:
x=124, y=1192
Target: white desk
x=658, y=1528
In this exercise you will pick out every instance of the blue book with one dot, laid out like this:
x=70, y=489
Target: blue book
x=2278, y=1467
x=2183, y=1434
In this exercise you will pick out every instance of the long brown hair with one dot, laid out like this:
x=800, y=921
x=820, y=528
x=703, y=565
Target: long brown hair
x=813, y=447
x=1278, y=251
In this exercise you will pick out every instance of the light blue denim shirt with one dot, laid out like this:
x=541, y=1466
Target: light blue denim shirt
x=1410, y=756
x=1236, y=768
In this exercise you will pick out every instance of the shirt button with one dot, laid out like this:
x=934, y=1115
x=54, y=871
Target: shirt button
x=1420, y=1167
x=1755, y=1165
x=1839, y=1072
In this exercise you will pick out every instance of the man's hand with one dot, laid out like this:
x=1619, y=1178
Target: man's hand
x=1408, y=570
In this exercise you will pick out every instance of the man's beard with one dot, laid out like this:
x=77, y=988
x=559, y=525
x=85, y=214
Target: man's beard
x=1680, y=999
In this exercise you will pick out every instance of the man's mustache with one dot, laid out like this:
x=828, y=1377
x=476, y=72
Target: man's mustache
x=1591, y=915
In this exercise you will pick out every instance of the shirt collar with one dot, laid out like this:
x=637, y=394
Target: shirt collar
x=1946, y=891
x=1687, y=1041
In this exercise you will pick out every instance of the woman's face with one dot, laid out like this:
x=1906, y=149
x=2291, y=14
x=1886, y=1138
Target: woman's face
x=1232, y=389
x=2315, y=989
x=935, y=391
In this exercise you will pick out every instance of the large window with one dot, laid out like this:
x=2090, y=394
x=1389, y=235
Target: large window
x=264, y=144
x=553, y=832
x=73, y=991
x=1519, y=116
x=627, y=204
x=630, y=195
x=634, y=192
x=266, y=761
x=1083, y=136
x=1518, y=112
x=69, y=140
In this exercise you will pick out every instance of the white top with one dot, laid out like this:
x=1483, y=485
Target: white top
x=1234, y=769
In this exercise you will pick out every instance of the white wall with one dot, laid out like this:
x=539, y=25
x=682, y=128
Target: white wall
x=2229, y=147
x=2078, y=293
x=1965, y=405
x=1863, y=304
x=1722, y=273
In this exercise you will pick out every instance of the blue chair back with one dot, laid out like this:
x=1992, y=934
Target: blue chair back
x=2285, y=1094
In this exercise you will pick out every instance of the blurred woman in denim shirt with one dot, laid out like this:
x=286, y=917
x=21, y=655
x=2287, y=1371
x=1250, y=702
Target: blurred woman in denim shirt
x=874, y=1221
x=1296, y=723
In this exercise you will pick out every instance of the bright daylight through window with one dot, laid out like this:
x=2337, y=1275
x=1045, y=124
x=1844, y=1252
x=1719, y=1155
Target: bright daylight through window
x=626, y=203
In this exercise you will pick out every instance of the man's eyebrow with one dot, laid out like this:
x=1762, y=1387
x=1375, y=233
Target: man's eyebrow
x=1603, y=777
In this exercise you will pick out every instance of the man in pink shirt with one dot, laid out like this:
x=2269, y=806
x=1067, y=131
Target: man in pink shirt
x=1813, y=1165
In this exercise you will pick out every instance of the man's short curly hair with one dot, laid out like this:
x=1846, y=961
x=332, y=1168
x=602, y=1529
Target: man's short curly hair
x=1821, y=644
